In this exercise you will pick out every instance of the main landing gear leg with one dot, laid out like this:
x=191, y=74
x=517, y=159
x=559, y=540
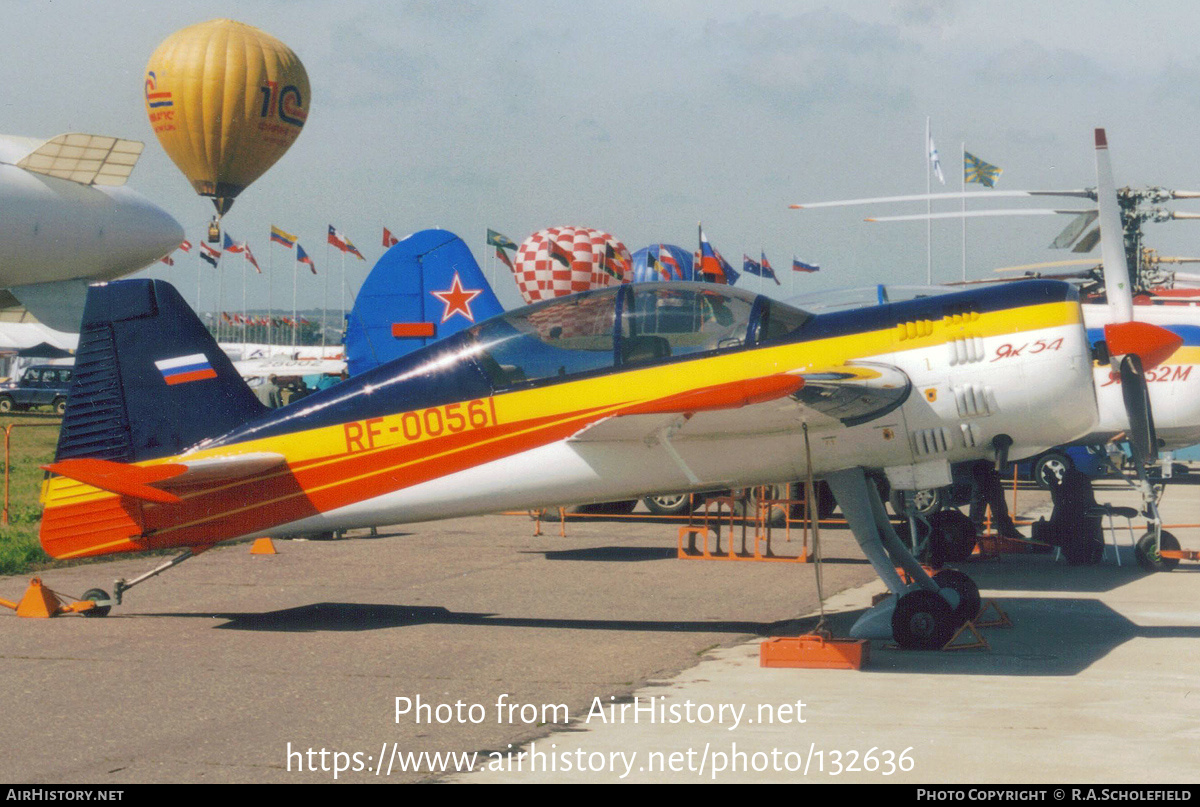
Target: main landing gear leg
x=920, y=615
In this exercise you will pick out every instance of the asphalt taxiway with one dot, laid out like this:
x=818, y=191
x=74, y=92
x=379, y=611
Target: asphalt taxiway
x=241, y=668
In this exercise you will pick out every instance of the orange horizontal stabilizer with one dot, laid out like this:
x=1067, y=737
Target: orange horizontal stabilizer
x=1152, y=344
x=731, y=395
x=116, y=477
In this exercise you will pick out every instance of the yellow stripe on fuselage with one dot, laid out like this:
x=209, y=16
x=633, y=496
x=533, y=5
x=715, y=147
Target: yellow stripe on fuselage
x=606, y=393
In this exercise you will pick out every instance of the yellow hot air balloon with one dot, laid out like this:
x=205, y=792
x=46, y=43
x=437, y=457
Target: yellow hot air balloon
x=226, y=101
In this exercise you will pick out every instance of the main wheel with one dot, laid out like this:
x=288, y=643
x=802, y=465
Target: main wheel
x=1051, y=465
x=1149, y=559
x=953, y=537
x=60, y=406
x=96, y=595
x=922, y=621
x=969, y=601
x=925, y=502
x=669, y=504
x=6, y=404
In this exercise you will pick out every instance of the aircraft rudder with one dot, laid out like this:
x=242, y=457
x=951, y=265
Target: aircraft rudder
x=149, y=381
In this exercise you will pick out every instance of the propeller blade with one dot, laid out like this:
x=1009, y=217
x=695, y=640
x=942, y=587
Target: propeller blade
x=1143, y=440
x=1112, y=240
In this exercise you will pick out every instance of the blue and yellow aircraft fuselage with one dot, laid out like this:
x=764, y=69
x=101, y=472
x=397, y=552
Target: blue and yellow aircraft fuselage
x=605, y=395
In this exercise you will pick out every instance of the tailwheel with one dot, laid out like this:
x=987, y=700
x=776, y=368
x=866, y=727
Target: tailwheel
x=952, y=535
x=922, y=620
x=1147, y=554
x=969, y=601
x=97, y=595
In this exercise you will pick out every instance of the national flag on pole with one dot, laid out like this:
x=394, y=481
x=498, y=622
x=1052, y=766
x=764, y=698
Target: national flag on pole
x=976, y=170
x=750, y=266
x=209, y=254
x=935, y=161
x=653, y=266
x=233, y=246
x=282, y=237
x=558, y=253
x=302, y=257
x=768, y=270
x=504, y=259
x=670, y=266
x=801, y=266
x=250, y=257
x=713, y=264
x=389, y=240
x=496, y=239
x=343, y=243
x=618, y=264
x=709, y=263
x=168, y=260
x=186, y=246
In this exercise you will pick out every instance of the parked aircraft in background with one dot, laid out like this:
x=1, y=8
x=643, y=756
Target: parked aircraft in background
x=68, y=221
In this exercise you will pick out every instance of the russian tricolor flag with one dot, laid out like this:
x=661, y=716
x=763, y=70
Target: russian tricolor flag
x=183, y=369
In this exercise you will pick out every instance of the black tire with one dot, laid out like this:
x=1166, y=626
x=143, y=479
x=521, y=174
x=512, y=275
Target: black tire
x=669, y=504
x=60, y=406
x=954, y=536
x=969, y=601
x=922, y=621
x=96, y=595
x=1052, y=463
x=1149, y=559
x=6, y=405
x=927, y=502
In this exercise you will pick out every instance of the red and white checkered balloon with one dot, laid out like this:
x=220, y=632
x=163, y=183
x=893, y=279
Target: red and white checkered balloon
x=541, y=277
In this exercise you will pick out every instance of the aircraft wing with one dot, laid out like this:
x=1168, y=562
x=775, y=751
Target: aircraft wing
x=84, y=158
x=848, y=394
x=140, y=482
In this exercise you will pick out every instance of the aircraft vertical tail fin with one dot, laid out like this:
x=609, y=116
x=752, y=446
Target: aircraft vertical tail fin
x=149, y=381
x=424, y=288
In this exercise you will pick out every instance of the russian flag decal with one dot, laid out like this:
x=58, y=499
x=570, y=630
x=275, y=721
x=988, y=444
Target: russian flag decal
x=183, y=369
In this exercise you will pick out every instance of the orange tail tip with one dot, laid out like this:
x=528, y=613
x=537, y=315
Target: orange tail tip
x=1150, y=343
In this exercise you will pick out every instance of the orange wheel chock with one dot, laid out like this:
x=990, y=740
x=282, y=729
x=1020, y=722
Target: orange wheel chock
x=41, y=603
x=814, y=651
x=263, y=546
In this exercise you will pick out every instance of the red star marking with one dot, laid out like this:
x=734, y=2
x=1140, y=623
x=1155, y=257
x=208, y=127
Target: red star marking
x=457, y=299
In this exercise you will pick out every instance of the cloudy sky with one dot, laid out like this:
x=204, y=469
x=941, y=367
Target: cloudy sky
x=644, y=118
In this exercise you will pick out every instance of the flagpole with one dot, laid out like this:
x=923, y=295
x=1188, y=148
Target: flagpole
x=963, y=178
x=342, y=322
x=220, y=292
x=325, y=300
x=270, y=292
x=244, y=305
x=199, y=273
x=295, y=272
x=928, y=206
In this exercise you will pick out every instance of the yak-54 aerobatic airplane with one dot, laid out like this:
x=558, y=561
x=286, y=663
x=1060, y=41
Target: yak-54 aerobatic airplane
x=604, y=395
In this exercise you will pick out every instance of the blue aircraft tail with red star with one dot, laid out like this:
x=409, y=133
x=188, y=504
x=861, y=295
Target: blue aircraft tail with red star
x=425, y=288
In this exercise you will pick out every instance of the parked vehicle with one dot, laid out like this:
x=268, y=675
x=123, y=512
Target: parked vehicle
x=43, y=385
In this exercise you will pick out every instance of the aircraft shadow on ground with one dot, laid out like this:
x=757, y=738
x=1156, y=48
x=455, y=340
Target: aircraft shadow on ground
x=640, y=553
x=1049, y=637
x=341, y=616
x=1043, y=573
